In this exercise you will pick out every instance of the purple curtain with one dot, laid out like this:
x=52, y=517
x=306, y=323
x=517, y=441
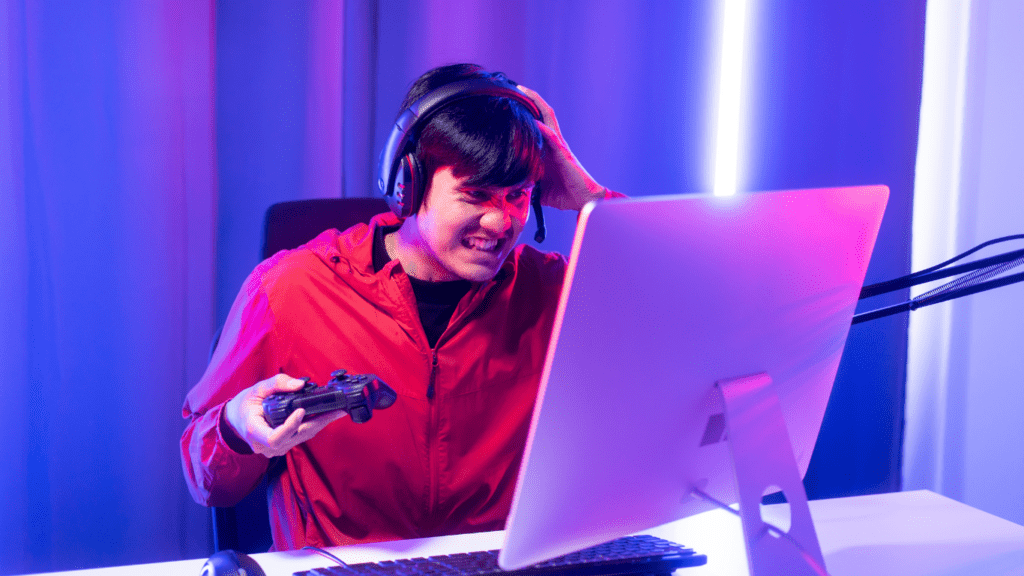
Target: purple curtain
x=108, y=195
x=142, y=142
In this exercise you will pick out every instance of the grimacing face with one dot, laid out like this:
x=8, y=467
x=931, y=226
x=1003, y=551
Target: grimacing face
x=465, y=232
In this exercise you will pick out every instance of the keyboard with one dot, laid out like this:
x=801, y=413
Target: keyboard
x=629, y=555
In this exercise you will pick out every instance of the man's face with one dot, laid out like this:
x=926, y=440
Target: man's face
x=465, y=232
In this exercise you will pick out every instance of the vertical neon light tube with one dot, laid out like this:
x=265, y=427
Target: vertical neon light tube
x=937, y=224
x=730, y=83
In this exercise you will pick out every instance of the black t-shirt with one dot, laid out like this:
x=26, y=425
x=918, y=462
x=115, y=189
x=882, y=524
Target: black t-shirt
x=435, y=301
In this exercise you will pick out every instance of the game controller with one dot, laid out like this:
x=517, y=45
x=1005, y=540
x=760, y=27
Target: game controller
x=357, y=394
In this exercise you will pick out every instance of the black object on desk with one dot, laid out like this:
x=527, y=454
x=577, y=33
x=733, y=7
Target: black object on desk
x=231, y=563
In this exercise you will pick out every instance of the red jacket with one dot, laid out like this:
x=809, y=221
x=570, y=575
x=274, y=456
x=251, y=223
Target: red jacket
x=423, y=467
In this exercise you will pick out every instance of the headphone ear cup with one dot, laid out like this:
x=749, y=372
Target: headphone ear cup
x=401, y=194
x=410, y=174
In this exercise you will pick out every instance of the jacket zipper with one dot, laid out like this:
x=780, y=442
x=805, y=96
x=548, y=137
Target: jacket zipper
x=433, y=442
x=433, y=447
x=433, y=376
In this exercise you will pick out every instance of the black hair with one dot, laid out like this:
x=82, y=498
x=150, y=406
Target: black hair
x=492, y=140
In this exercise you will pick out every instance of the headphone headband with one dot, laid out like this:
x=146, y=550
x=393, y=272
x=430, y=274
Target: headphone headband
x=404, y=196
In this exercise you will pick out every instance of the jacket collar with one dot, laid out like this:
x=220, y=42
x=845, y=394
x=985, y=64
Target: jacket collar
x=351, y=252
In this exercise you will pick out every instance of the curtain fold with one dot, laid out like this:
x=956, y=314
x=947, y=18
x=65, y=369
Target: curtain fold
x=15, y=529
x=108, y=194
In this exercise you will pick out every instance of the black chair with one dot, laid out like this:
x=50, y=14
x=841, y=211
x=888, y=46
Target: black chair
x=291, y=224
x=245, y=527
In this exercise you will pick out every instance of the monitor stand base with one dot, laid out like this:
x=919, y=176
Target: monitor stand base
x=763, y=458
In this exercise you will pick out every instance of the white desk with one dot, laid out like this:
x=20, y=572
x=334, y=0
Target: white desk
x=908, y=534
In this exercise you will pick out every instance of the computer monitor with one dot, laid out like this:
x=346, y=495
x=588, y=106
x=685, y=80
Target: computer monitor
x=668, y=302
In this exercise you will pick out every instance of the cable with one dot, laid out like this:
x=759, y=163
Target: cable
x=948, y=295
x=968, y=253
x=968, y=280
x=808, y=558
x=932, y=273
x=326, y=554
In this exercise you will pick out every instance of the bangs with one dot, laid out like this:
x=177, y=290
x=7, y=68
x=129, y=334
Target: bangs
x=492, y=141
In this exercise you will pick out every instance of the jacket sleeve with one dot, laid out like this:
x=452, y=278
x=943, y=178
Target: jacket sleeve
x=216, y=474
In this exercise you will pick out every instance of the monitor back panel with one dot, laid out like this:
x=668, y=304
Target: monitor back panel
x=666, y=296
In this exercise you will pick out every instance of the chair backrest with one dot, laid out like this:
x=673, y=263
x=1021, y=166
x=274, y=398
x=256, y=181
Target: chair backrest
x=245, y=527
x=291, y=224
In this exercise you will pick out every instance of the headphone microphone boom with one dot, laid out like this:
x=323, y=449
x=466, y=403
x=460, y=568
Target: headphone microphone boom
x=400, y=177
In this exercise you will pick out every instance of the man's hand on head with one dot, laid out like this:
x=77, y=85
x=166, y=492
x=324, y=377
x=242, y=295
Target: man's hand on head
x=566, y=185
x=244, y=414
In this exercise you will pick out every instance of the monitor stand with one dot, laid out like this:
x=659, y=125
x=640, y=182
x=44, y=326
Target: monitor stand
x=762, y=458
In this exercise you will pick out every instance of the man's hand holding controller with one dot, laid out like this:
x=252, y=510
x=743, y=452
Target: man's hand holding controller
x=244, y=414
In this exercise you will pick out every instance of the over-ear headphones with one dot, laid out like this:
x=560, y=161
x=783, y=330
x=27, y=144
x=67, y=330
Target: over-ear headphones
x=400, y=175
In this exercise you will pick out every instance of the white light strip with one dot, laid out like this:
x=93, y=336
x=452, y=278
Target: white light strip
x=935, y=230
x=733, y=49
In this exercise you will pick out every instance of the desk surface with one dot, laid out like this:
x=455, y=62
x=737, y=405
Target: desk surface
x=908, y=533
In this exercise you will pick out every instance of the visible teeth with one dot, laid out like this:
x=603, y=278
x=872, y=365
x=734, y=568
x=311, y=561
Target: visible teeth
x=481, y=244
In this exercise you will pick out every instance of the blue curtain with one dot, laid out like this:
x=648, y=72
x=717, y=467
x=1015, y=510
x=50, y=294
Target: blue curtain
x=835, y=102
x=141, y=143
x=108, y=194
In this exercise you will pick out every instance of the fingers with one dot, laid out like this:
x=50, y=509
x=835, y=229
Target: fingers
x=245, y=414
x=277, y=441
x=282, y=438
x=566, y=184
x=313, y=425
x=546, y=111
x=294, y=431
x=552, y=138
x=277, y=383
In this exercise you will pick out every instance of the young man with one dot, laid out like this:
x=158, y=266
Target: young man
x=442, y=306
